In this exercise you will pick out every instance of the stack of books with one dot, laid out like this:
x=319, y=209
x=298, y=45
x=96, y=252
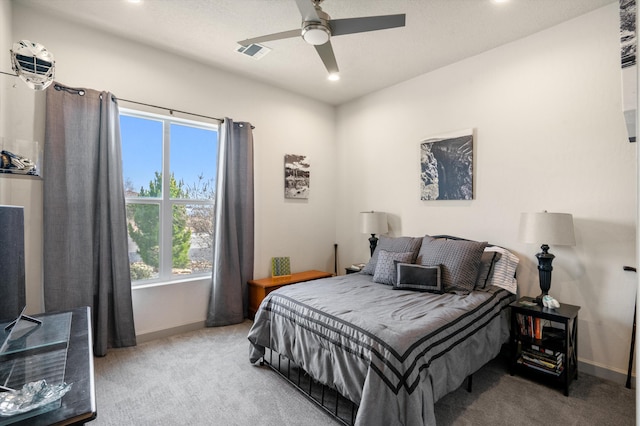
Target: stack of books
x=541, y=359
x=529, y=326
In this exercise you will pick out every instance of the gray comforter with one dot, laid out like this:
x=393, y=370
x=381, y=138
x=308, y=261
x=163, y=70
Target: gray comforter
x=393, y=352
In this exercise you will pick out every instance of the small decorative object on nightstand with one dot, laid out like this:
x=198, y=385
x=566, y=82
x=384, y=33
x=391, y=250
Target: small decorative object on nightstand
x=258, y=289
x=355, y=268
x=548, y=351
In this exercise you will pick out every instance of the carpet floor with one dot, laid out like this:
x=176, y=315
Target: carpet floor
x=204, y=378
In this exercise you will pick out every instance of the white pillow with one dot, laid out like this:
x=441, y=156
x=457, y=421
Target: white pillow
x=504, y=270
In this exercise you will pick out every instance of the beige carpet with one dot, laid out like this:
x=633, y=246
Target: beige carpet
x=204, y=378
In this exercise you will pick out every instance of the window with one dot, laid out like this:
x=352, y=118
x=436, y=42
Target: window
x=169, y=169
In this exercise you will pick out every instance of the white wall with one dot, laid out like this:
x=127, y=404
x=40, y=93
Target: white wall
x=550, y=135
x=284, y=123
x=18, y=125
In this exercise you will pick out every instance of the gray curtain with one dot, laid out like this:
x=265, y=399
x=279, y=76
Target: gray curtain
x=233, y=235
x=85, y=236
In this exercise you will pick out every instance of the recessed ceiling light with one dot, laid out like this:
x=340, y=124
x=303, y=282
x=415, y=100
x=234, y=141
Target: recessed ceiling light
x=500, y=1
x=134, y=1
x=334, y=76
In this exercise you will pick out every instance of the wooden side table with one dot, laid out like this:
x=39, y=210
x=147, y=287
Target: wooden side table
x=258, y=289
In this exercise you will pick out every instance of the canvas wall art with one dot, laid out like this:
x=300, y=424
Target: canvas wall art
x=446, y=167
x=628, y=47
x=296, y=176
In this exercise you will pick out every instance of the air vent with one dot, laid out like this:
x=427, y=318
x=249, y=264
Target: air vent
x=256, y=51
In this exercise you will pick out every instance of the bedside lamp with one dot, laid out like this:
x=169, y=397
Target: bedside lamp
x=546, y=228
x=373, y=223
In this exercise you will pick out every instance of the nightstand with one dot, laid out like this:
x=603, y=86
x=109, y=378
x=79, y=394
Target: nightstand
x=544, y=342
x=258, y=289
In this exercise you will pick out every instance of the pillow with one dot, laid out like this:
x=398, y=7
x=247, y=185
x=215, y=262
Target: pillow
x=385, y=268
x=395, y=245
x=504, y=270
x=418, y=278
x=485, y=270
x=458, y=259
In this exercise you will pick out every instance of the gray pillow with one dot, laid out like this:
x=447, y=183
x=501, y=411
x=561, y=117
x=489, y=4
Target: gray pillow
x=458, y=259
x=394, y=245
x=485, y=270
x=418, y=278
x=386, y=267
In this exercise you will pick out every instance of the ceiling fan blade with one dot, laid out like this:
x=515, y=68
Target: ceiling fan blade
x=326, y=54
x=364, y=24
x=307, y=10
x=270, y=37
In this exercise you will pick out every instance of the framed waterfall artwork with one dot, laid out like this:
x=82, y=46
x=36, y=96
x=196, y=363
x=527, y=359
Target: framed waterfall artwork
x=628, y=48
x=296, y=176
x=446, y=166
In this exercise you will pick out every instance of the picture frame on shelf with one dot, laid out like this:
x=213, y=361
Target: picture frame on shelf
x=280, y=267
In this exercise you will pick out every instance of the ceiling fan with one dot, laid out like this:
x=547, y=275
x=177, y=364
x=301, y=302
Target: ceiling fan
x=318, y=28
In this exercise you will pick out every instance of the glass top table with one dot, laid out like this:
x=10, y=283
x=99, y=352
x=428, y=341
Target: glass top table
x=58, y=350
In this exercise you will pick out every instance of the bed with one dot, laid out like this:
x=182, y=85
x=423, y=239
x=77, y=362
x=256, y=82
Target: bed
x=392, y=340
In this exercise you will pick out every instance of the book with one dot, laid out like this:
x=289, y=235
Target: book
x=552, y=365
x=544, y=356
x=553, y=371
x=546, y=351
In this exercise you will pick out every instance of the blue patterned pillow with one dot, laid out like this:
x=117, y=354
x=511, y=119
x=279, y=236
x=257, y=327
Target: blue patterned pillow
x=418, y=278
x=395, y=245
x=385, y=267
x=459, y=260
x=485, y=271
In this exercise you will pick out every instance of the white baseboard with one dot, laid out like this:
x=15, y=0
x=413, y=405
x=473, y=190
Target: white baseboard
x=147, y=337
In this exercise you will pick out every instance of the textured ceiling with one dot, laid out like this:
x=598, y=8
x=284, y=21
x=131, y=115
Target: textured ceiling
x=437, y=33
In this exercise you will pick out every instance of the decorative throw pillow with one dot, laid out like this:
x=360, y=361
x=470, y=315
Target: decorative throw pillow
x=418, y=278
x=395, y=245
x=385, y=268
x=485, y=270
x=504, y=270
x=458, y=259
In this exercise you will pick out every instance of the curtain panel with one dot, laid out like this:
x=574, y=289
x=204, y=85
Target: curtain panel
x=234, y=226
x=85, y=236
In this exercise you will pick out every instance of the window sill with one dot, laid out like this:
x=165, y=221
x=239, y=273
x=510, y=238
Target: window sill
x=199, y=278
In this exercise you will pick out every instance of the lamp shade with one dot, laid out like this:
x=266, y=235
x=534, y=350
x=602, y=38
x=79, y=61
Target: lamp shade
x=373, y=222
x=547, y=228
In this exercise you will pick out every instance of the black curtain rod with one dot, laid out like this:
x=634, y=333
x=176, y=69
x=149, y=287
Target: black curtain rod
x=171, y=110
x=7, y=73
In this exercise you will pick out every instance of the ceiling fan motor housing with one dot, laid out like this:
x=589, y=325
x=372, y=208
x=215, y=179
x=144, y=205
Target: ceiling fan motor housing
x=316, y=33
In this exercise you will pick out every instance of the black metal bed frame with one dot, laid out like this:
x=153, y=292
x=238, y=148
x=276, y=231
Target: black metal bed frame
x=325, y=397
x=331, y=401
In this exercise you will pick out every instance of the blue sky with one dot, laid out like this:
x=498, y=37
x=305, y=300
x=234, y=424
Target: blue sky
x=194, y=151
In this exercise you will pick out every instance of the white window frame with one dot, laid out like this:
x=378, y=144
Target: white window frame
x=165, y=255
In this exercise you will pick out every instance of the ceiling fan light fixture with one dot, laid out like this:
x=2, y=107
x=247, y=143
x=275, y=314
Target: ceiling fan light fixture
x=316, y=34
